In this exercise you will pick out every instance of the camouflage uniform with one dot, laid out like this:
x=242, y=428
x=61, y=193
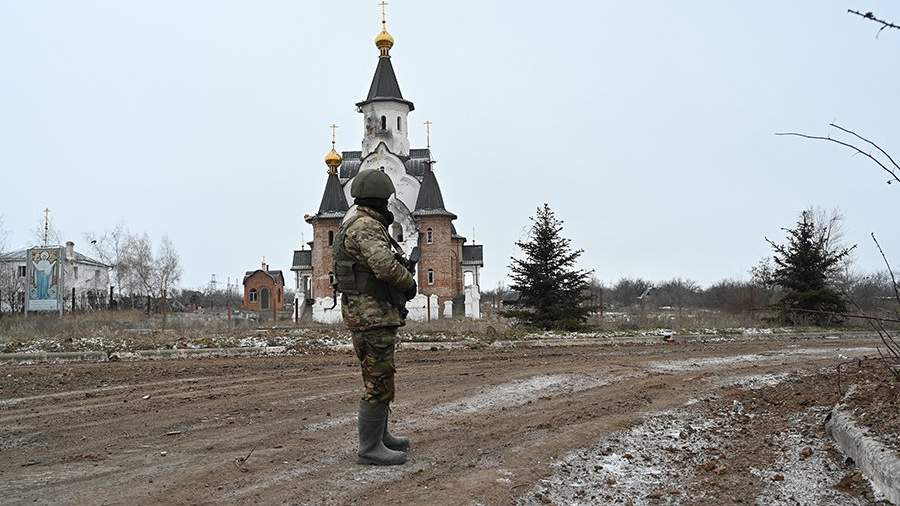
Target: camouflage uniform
x=373, y=320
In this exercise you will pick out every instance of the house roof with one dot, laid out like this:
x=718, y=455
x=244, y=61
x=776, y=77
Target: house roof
x=430, y=201
x=384, y=87
x=473, y=255
x=276, y=276
x=19, y=256
x=302, y=260
x=334, y=203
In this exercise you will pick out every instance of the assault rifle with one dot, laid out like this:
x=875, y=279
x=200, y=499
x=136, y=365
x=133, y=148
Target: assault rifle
x=397, y=298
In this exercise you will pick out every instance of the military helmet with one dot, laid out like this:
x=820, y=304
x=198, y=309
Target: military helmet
x=371, y=183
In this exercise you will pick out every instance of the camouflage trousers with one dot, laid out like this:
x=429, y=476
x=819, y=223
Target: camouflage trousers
x=375, y=351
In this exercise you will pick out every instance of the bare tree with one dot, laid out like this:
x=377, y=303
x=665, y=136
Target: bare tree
x=167, y=270
x=4, y=234
x=10, y=281
x=109, y=248
x=137, y=263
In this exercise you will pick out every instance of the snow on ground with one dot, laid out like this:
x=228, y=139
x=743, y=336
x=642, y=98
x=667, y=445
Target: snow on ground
x=804, y=473
x=713, y=362
x=757, y=381
x=516, y=393
x=648, y=464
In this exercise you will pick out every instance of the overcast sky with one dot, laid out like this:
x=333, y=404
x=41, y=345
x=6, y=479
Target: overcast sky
x=648, y=126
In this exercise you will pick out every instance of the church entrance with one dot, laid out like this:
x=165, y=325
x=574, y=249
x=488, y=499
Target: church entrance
x=264, y=298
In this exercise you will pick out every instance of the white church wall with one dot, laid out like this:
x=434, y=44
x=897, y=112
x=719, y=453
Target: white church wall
x=418, y=308
x=321, y=312
x=396, y=140
x=407, y=186
x=448, y=309
x=473, y=302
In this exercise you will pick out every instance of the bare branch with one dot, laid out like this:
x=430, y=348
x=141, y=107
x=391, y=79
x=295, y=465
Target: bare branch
x=890, y=270
x=860, y=137
x=894, y=175
x=870, y=16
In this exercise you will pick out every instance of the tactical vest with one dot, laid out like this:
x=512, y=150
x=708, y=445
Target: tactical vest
x=355, y=278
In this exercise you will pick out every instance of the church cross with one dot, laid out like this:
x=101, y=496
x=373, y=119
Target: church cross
x=333, y=128
x=428, y=133
x=383, y=4
x=46, y=225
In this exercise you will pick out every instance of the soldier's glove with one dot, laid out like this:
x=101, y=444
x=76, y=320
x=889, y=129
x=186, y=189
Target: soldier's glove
x=412, y=291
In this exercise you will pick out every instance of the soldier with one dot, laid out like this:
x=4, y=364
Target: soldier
x=374, y=284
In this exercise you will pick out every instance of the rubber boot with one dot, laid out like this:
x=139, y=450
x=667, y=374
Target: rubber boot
x=398, y=443
x=371, y=422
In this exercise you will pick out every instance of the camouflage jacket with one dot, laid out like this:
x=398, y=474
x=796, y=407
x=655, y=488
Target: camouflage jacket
x=366, y=240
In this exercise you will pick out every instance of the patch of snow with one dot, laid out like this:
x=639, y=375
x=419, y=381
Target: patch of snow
x=633, y=466
x=756, y=381
x=516, y=393
x=807, y=480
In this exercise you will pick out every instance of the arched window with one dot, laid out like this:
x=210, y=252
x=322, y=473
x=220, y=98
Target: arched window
x=398, y=124
x=264, y=298
x=331, y=237
x=429, y=236
x=384, y=122
x=252, y=295
x=331, y=278
x=430, y=276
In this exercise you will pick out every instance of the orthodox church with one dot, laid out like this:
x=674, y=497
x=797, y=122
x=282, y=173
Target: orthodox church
x=448, y=273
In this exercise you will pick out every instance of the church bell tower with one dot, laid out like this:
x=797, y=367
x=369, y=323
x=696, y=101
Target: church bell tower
x=384, y=110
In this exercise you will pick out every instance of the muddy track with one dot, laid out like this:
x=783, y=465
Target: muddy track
x=486, y=424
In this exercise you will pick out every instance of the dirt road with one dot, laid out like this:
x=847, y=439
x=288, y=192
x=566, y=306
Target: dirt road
x=495, y=426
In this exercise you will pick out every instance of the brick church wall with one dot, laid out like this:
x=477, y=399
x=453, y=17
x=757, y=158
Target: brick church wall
x=322, y=255
x=441, y=257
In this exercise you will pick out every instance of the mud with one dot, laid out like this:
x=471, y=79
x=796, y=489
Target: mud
x=490, y=426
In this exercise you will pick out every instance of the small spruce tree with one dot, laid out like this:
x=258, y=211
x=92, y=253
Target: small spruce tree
x=553, y=293
x=804, y=268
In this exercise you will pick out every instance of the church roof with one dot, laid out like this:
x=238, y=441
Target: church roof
x=473, y=255
x=385, y=87
x=430, y=201
x=416, y=165
x=302, y=259
x=334, y=203
x=276, y=276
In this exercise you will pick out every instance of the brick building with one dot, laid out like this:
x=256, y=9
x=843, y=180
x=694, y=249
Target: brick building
x=263, y=290
x=449, y=271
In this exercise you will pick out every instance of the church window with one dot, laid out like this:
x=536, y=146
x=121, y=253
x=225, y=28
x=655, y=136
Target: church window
x=331, y=237
x=429, y=236
x=75, y=270
x=384, y=122
x=252, y=295
x=21, y=271
x=398, y=124
x=430, y=276
x=331, y=278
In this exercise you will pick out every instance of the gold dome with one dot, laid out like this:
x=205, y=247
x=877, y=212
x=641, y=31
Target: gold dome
x=333, y=160
x=384, y=41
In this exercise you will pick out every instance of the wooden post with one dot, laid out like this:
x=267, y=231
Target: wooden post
x=73, y=300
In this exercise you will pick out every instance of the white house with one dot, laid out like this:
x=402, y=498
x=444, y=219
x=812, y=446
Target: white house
x=89, y=278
